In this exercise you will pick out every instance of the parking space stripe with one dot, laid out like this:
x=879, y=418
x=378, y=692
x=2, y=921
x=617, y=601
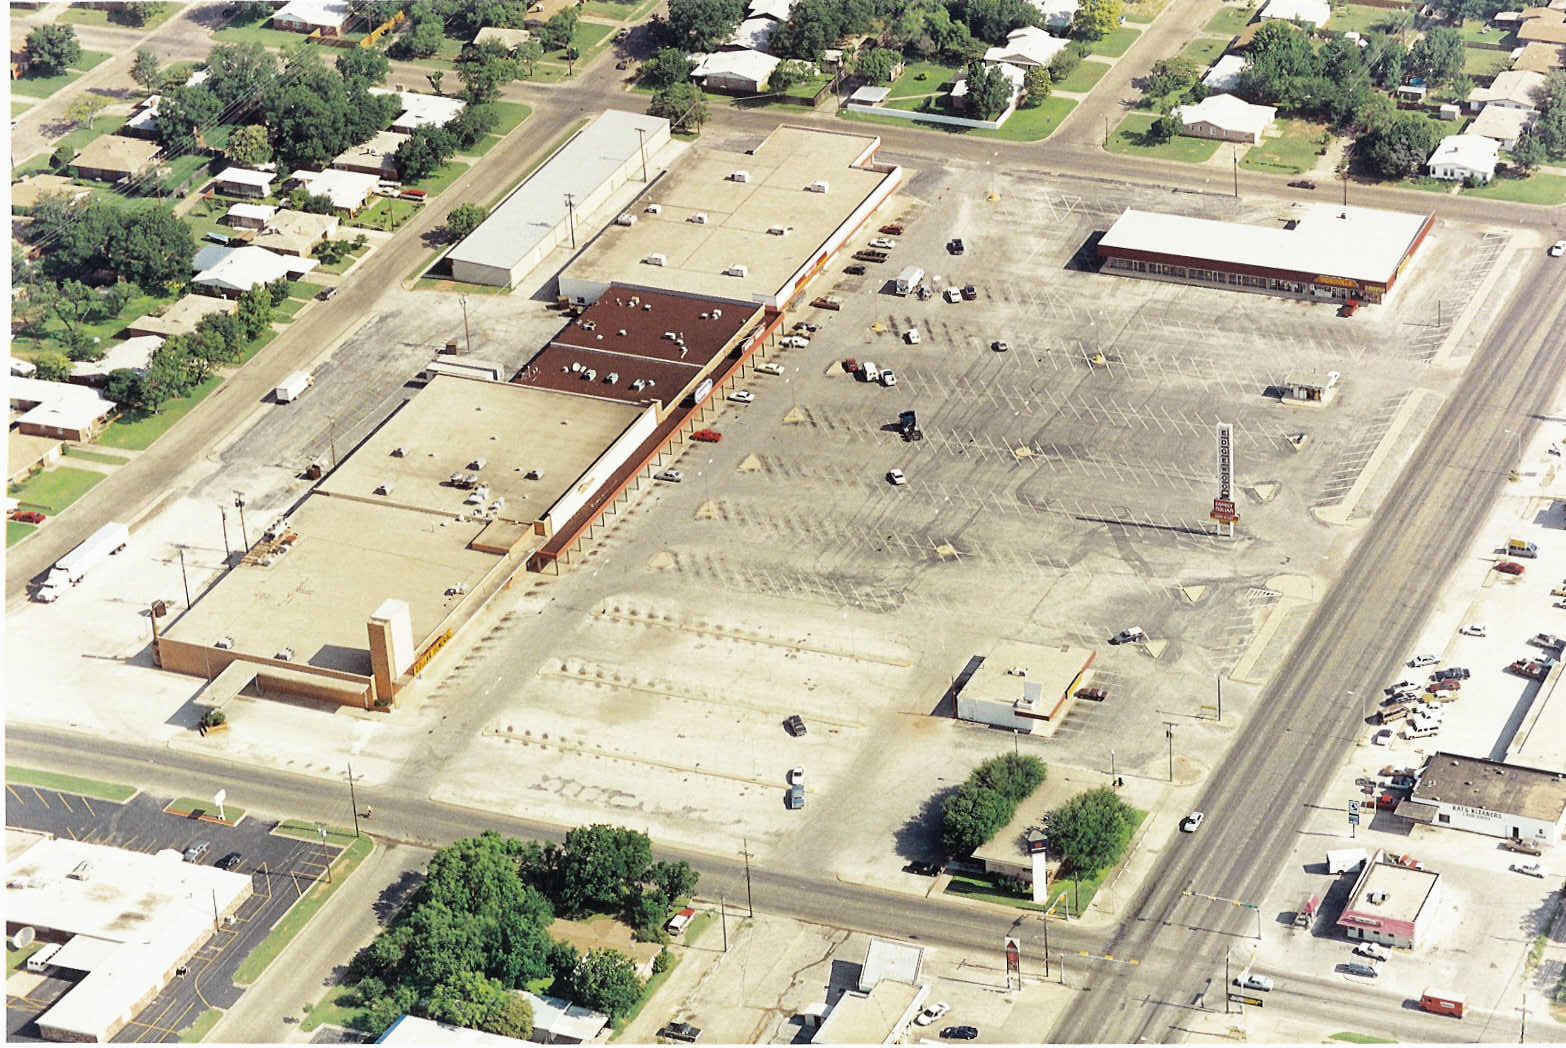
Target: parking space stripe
x=63, y=799
x=40, y=796
x=12, y=791
x=88, y=805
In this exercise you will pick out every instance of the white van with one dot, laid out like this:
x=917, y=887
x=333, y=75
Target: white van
x=1421, y=728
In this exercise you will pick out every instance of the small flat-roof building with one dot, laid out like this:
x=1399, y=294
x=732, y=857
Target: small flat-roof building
x=1026, y=47
x=131, y=354
x=1330, y=253
x=347, y=190
x=1391, y=904
x=1502, y=123
x=295, y=232
x=1464, y=158
x=534, y=219
x=61, y=410
x=419, y=110
x=735, y=72
x=373, y=157
x=327, y=17
x=249, y=216
x=879, y=1009
x=750, y=226
x=1489, y=797
x=181, y=317
x=1023, y=687
x=1226, y=118
x=126, y=920
x=242, y=181
x=1311, y=12
x=109, y=158
x=1225, y=73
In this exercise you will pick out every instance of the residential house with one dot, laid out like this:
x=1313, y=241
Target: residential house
x=777, y=10
x=735, y=72
x=1225, y=74
x=419, y=110
x=131, y=354
x=143, y=122
x=295, y=232
x=58, y=410
x=1311, y=12
x=1502, y=123
x=249, y=216
x=1057, y=13
x=1461, y=158
x=327, y=17
x=1226, y=118
x=109, y=158
x=510, y=39
x=541, y=11
x=753, y=34
x=242, y=181
x=1513, y=88
x=1027, y=46
x=347, y=190
x=181, y=317
x=1540, y=58
x=30, y=190
x=1548, y=26
x=1014, y=74
x=231, y=271
x=373, y=157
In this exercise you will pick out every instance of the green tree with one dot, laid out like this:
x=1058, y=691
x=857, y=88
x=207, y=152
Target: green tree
x=254, y=312
x=467, y=999
x=1281, y=54
x=484, y=71
x=168, y=375
x=989, y=92
x=1438, y=55
x=556, y=33
x=675, y=879
x=470, y=126
x=701, y=25
x=1165, y=128
x=972, y=815
x=124, y=387
x=422, y=40
x=1171, y=76
x=436, y=79
x=301, y=199
x=136, y=12
x=1012, y=775
x=1400, y=149
x=376, y=12
x=53, y=48
x=84, y=109
x=151, y=247
x=1387, y=62
x=1096, y=19
x=670, y=66
x=240, y=74
x=1528, y=153
x=877, y=64
x=464, y=219
x=365, y=66
x=184, y=113
x=606, y=981
x=52, y=367
x=528, y=56
x=513, y=1017
x=248, y=146
x=307, y=112
x=790, y=74
x=1091, y=830
x=601, y=867
x=812, y=27
x=1035, y=86
x=682, y=104
x=426, y=149
x=1065, y=62
x=146, y=70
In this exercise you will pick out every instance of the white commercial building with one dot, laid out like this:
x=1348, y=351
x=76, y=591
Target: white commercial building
x=1028, y=46
x=1226, y=118
x=1311, y=12
x=1459, y=158
x=1021, y=686
x=529, y=223
x=1225, y=73
x=231, y=271
x=887, y=998
x=1489, y=797
x=127, y=920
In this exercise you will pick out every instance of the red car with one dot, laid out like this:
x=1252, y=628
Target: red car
x=27, y=516
x=1349, y=308
x=892, y=229
x=707, y=436
x=1444, y=685
x=851, y=366
x=1509, y=567
x=1092, y=694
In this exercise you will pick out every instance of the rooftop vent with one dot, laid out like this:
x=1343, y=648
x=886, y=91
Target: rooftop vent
x=777, y=231
x=671, y=336
x=383, y=489
x=478, y=463
x=622, y=332
x=739, y=176
x=637, y=384
x=625, y=218
x=699, y=218
x=612, y=377
x=589, y=325
x=716, y=314
x=575, y=367
x=1018, y=671
x=590, y=374
x=399, y=451
x=818, y=186
x=738, y=269
x=656, y=259
x=653, y=209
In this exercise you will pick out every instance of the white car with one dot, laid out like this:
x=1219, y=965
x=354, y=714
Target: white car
x=1192, y=822
x=1371, y=950
x=673, y=476
x=911, y=336
x=1382, y=737
x=1558, y=249
x=889, y=377
x=769, y=368
x=932, y=1013
x=1423, y=660
x=794, y=341
x=896, y=477
x=952, y=294
x=1129, y=635
x=883, y=244
x=1253, y=982
x=1473, y=629
x=796, y=775
x=742, y=396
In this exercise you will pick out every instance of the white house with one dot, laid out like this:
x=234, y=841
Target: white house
x=1012, y=73
x=735, y=72
x=1311, y=12
x=753, y=34
x=249, y=216
x=1461, y=157
x=232, y=271
x=242, y=181
x=777, y=10
x=347, y=190
x=329, y=17
x=1028, y=46
x=1515, y=88
x=1502, y=123
x=1227, y=118
x=132, y=354
x=1225, y=74
x=419, y=109
x=1057, y=13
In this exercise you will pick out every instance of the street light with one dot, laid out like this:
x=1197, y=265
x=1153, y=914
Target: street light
x=467, y=335
x=239, y=503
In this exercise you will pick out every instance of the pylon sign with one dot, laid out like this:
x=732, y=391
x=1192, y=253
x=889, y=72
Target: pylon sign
x=1223, y=505
x=1013, y=960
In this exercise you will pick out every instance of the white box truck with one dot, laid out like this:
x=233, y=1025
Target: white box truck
x=869, y=372
x=290, y=388
x=909, y=279
x=73, y=567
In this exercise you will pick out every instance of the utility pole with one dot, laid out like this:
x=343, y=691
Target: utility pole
x=467, y=336
x=1169, y=727
x=1226, y=982
x=570, y=200
x=228, y=554
x=1522, y=1034
x=1106, y=132
x=321, y=830
x=185, y=578
x=1046, y=944
x=1235, y=156
x=244, y=533
x=723, y=911
x=353, y=800
x=331, y=437
x=750, y=909
x=641, y=144
x=216, y=920
x=1219, y=678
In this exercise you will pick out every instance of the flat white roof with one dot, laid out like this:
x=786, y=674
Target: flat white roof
x=1029, y=44
x=264, y=212
x=752, y=65
x=1316, y=12
x=419, y=109
x=1358, y=243
x=347, y=189
x=242, y=268
x=1225, y=72
x=314, y=12
x=537, y=207
x=244, y=176
x=1471, y=151
x=777, y=9
x=1229, y=113
x=754, y=33
x=561, y=1018
x=132, y=353
x=57, y=404
x=413, y=1029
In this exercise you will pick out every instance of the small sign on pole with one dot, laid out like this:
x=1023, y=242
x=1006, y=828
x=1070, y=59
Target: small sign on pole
x=1013, y=961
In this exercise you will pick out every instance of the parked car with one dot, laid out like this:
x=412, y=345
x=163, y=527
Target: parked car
x=960, y=1033
x=673, y=476
x=851, y=366
x=326, y=294
x=855, y=270
x=1349, y=308
x=1423, y=660
x=795, y=799
x=807, y=326
x=1302, y=183
x=197, y=850
x=707, y=436
x=1382, y=737
x=895, y=477
x=1192, y=822
x=1128, y=635
x=955, y=245
x=892, y=228
x=923, y=869
x=1531, y=869
x=794, y=341
x=1356, y=968
x=1509, y=567
x=932, y=1013
x=769, y=368
x=1525, y=847
x=229, y=861
x=1558, y=249
x=888, y=377
x=828, y=301
x=27, y=516
x=1452, y=673
x=1253, y=982
x=1374, y=951
x=680, y=1032
x=969, y=292
x=1444, y=685
x=1092, y=694
x=796, y=775
x=794, y=725
x=1000, y=347
x=1402, y=685
x=1473, y=629
x=911, y=336
x=742, y=396
x=883, y=244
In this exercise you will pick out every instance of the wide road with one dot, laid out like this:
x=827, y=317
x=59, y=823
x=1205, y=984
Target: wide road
x=1256, y=801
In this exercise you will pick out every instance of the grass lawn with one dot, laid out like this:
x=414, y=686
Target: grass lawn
x=49, y=780
x=20, y=106
x=304, y=290
x=180, y=171
x=256, y=345
x=337, y=1008
x=103, y=125
x=1204, y=50
x=1358, y=18
x=90, y=16
x=1031, y=125
x=16, y=531
x=1293, y=153
x=1229, y=21
x=934, y=74
x=198, y=1030
x=283, y=314
x=620, y=10
x=511, y=116
x=648, y=991
x=589, y=39
x=54, y=489
x=1129, y=138
x=95, y=456
x=1086, y=75
x=1428, y=185
x=298, y=916
x=45, y=86
x=442, y=177
x=192, y=807
x=1115, y=44
x=33, y=165
x=982, y=888
x=28, y=346
x=342, y=264
x=301, y=830
x=1064, y=894
x=1536, y=189
x=386, y=213
x=1482, y=63
x=1144, y=11
x=136, y=430
x=1479, y=31
x=249, y=26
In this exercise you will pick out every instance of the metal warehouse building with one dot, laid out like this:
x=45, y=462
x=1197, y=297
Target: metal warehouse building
x=535, y=218
x=1328, y=253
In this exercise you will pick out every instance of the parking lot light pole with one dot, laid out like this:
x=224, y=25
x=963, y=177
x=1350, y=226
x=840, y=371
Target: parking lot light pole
x=321, y=830
x=1169, y=728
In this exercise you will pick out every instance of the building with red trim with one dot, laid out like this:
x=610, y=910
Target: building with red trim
x=1393, y=903
x=1327, y=253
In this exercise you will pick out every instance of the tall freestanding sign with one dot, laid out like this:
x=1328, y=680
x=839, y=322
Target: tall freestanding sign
x=1223, y=505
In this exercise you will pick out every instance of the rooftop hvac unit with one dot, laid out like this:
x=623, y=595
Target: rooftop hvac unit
x=739, y=176
x=634, y=300
x=671, y=336
x=655, y=260
x=646, y=307
x=399, y=451
x=699, y=218
x=589, y=325
x=777, y=231
x=478, y=463
x=717, y=314
x=1018, y=671
x=637, y=384
x=383, y=489
x=590, y=374
x=82, y=871
x=225, y=642
x=622, y=332
x=653, y=209
x=625, y=218
x=612, y=377
x=818, y=186
x=286, y=655
x=737, y=270
x=575, y=366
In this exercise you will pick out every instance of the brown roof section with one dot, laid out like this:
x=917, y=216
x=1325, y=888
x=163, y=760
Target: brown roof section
x=1540, y=58
x=1547, y=28
x=565, y=369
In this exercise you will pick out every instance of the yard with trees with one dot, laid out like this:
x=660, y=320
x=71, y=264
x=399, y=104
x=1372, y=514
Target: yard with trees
x=978, y=809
